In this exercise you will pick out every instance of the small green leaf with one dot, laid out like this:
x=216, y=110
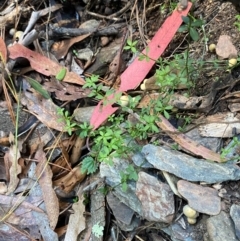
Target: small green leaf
x=97, y=230
x=197, y=23
x=61, y=74
x=186, y=19
x=166, y=114
x=194, y=34
x=38, y=87
x=183, y=28
x=124, y=186
x=89, y=165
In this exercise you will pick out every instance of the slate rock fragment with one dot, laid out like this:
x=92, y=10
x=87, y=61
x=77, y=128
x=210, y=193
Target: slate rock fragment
x=235, y=215
x=202, y=199
x=156, y=197
x=220, y=227
x=188, y=167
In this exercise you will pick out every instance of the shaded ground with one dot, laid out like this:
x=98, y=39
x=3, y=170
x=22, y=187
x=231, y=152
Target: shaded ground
x=46, y=166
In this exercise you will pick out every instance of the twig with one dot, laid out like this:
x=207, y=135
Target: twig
x=112, y=16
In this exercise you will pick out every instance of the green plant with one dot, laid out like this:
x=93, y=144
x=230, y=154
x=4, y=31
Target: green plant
x=237, y=22
x=131, y=45
x=162, y=106
x=191, y=25
x=89, y=165
x=127, y=175
x=65, y=116
x=187, y=120
x=175, y=72
x=61, y=74
x=96, y=89
x=38, y=87
x=97, y=230
x=225, y=151
x=144, y=127
x=84, y=129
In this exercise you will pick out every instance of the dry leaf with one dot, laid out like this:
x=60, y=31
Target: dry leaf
x=61, y=48
x=62, y=163
x=66, y=92
x=68, y=182
x=12, y=157
x=77, y=220
x=44, y=175
x=187, y=143
x=77, y=149
x=220, y=125
x=44, y=109
x=42, y=64
x=3, y=51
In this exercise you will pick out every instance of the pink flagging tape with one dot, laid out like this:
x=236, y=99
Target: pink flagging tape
x=138, y=70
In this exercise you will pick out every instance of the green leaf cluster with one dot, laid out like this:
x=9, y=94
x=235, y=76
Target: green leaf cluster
x=127, y=175
x=191, y=25
x=97, y=230
x=131, y=45
x=237, y=22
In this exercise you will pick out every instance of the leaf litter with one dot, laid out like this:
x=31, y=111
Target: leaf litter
x=45, y=190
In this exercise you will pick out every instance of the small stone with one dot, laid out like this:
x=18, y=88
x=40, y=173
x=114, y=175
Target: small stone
x=156, y=197
x=182, y=230
x=235, y=215
x=225, y=49
x=85, y=54
x=104, y=40
x=202, y=199
x=83, y=114
x=220, y=228
x=211, y=143
x=92, y=23
x=121, y=212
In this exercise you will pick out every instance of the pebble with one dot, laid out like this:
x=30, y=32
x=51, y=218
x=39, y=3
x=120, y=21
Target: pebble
x=120, y=211
x=225, y=49
x=220, y=228
x=181, y=230
x=83, y=114
x=92, y=23
x=235, y=215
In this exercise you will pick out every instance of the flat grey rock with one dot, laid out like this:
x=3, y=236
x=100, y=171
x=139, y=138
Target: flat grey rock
x=181, y=230
x=220, y=228
x=83, y=114
x=156, y=197
x=235, y=215
x=113, y=179
x=188, y=167
x=6, y=124
x=140, y=161
x=212, y=143
x=121, y=212
x=202, y=199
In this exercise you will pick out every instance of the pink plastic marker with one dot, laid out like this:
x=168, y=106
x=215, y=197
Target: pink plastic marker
x=137, y=71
